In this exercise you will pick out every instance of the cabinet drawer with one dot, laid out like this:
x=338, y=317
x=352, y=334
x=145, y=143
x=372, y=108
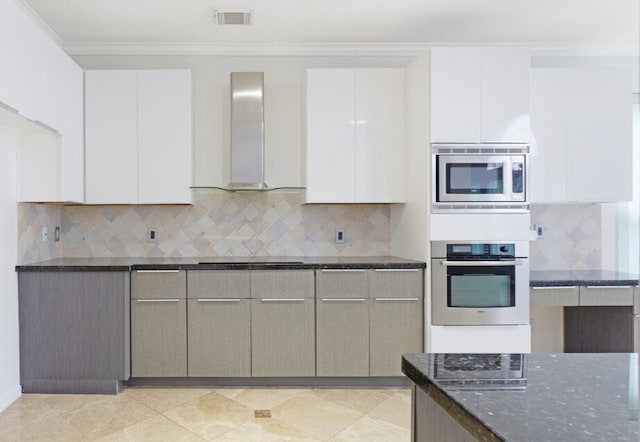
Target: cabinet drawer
x=396, y=283
x=230, y=284
x=555, y=296
x=158, y=284
x=606, y=295
x=338, y=283
x=282, y=284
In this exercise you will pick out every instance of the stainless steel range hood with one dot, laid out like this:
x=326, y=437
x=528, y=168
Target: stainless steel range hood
x=247, y=131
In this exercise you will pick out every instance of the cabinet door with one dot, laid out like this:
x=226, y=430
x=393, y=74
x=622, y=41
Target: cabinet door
x=505, y=95
x=282, y=337
x=396, y=318
x=73, y=327
x=548, y=159
x=219, y=337
x=111, y=144
x=158, y=337
x=456, y=99
x=282, y=323
x=331, y=125
x=380, y=102
x=343, y=336
x=342, y=322
x=164, y=136
x=599, y=135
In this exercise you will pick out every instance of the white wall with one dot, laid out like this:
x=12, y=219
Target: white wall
x=9, y=348
x=284, y=79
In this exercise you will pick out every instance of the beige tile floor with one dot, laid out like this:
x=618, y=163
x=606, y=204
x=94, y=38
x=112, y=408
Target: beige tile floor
x=212, y=414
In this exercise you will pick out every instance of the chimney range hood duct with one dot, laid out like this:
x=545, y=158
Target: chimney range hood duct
x=247, y=131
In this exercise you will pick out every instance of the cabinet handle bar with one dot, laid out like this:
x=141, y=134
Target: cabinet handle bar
x=157, y=271
x=343, y=299
x=282, y=300
x=609, y=287
x=342, y=270
x=157, y=300
x=397, y=270
x=559, y=287
x=218, y=299
x=396, y=299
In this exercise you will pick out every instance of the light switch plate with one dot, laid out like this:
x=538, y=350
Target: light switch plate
x=340, y=236
x=152, y=235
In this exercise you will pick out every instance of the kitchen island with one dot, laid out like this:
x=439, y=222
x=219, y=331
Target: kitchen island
x=534, y=397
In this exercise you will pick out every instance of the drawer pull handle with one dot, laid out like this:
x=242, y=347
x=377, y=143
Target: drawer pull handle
x=396, y=299
x=157, y=300
x=282, y=300
x=608, y=287
x=342, y=270
x=218, y=300
x=517, y=262
x=397, y=270
x=157, y=271
x=556, y=287
x=343, y=299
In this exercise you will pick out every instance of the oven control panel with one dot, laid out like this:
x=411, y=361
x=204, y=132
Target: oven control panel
x=481, y=250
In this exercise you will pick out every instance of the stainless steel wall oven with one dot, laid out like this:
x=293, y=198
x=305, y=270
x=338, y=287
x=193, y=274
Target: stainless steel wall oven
x=480, y=283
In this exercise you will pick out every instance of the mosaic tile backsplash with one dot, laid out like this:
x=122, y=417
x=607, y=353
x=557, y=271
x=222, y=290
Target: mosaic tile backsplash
x=218, y=224
x=572, y=237
x=31, y=219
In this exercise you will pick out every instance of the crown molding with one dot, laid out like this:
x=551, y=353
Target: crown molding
x=409, y=49
x=249, y=49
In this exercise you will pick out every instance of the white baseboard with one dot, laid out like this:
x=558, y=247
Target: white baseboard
x=8, y=397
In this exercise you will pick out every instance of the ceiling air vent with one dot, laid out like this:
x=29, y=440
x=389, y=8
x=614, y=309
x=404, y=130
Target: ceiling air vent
x=235, y=17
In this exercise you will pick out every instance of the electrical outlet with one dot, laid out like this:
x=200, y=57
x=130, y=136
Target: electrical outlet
x=56, y=234
x=152, y=235
x=340, y=236
x=539, y=231
x=45, y=234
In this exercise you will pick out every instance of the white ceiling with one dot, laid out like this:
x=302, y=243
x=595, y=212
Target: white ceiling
x=601, y=25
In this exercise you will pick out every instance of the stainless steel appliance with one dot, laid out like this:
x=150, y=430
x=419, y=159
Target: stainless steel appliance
x=247, y=131
x=480, y=283
x=480, y=177
x=479, y=371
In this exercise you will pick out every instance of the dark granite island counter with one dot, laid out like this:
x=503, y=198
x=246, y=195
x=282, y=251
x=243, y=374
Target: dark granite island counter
x=549, y=397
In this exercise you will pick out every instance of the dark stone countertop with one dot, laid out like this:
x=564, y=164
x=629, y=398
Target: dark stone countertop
x=220, y=263
x=551, y=278
x=567, y=397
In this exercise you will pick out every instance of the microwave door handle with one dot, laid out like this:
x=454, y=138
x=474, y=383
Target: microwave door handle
x=517, y=262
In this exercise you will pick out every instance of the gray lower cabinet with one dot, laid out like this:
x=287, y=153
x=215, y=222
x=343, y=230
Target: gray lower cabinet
x=396, y=325
x=219, y=323
x=158, y=324
x=282, y=323
x=74, y=331
x=342, y=322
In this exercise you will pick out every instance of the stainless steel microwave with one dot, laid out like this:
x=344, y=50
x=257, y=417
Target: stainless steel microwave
x=480, y=177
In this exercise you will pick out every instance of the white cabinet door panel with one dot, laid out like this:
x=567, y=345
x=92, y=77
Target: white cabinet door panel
x=330, y=135
x=548, y=159
x=111, y=121
x=379, y=135
x=164, y=136
x=456, y=99
x=505, y=95
x=599, y=132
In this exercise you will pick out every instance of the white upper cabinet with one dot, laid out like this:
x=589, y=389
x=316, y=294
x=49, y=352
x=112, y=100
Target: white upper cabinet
x=355, y=135
x=44, y=85
x=480, y=95
x=581, y=148
x=111, y=123
x=138, y=137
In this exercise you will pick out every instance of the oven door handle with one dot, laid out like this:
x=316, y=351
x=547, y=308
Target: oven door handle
x=516, y=262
